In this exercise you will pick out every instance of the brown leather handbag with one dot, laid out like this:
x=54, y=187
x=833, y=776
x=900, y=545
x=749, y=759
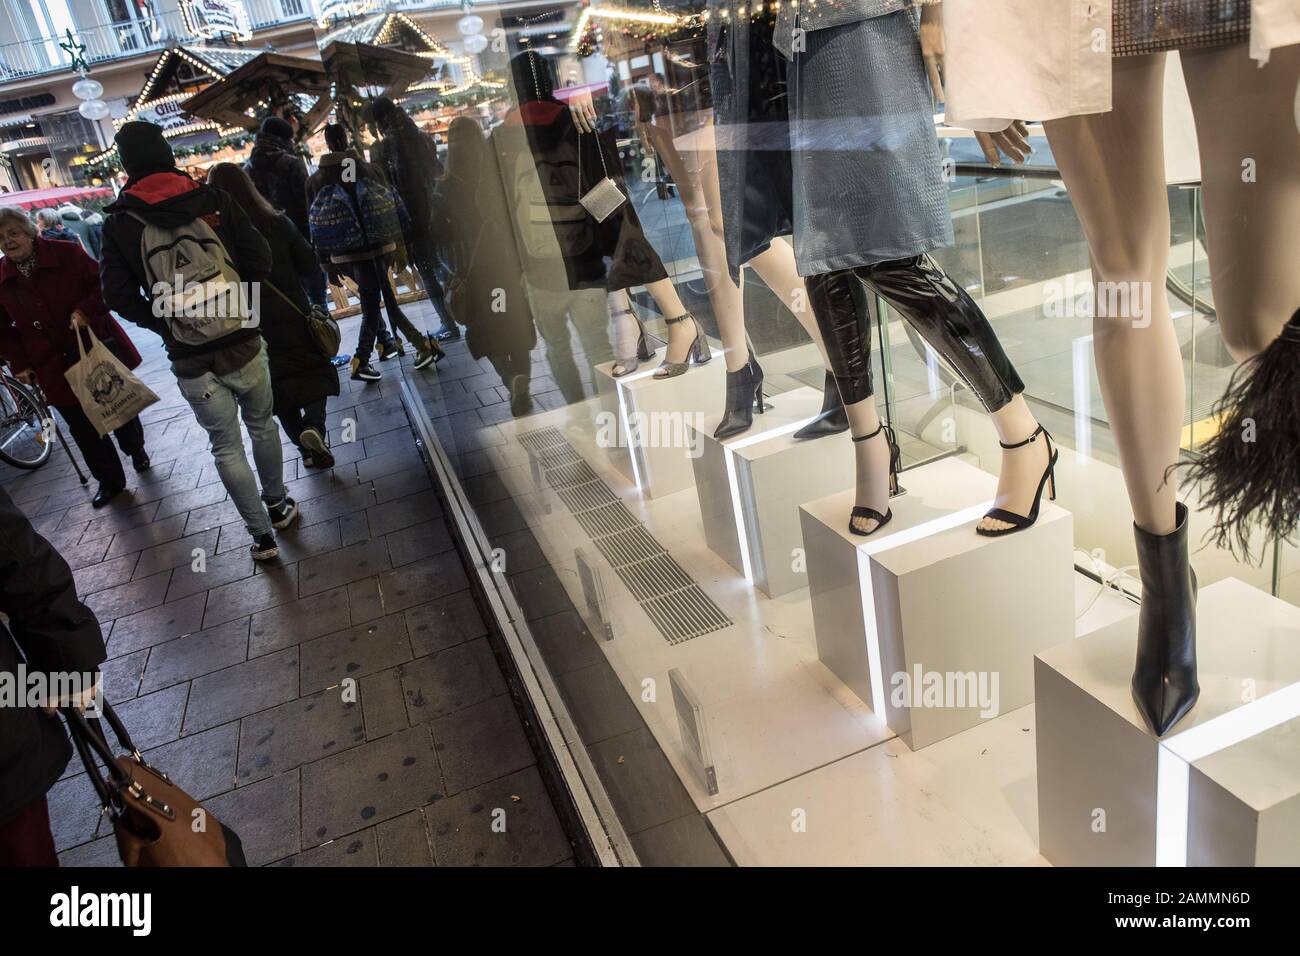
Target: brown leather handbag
x=156, y=823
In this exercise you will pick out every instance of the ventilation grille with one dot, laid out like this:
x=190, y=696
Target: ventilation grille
x=624, y=547
x=607, y=520
x=586, y=497
x=563, y=476
x=677, y=605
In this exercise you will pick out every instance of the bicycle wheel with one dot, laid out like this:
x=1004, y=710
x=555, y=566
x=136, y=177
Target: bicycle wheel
x=24, y=441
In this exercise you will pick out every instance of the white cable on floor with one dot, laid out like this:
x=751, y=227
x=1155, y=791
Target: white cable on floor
x=1113, y=579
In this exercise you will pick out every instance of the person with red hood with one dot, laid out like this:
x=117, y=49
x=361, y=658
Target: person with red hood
x=223, y=378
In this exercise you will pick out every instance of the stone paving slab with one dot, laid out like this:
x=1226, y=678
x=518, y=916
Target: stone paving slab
x=231, y=675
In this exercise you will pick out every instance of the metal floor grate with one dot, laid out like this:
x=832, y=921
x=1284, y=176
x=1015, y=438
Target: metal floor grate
x=577, y=473
x=675, y=603
x=654, y=577
x=624, y=547
x=593, y=494
x=606, y=520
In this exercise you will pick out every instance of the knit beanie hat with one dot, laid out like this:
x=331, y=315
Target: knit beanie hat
x=142, y=148
x=275, y=126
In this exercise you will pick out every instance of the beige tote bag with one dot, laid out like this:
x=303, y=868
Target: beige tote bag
x=105, y=388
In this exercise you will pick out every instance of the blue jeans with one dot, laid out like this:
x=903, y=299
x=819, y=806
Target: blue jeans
x=218, y=402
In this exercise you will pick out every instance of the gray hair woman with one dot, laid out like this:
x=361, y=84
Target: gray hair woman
x=50, y=225
x=49, y=290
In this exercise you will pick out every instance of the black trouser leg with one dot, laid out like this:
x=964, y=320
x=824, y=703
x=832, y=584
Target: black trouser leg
x=426, y=263
x=372, y=322
x=396, y=317
x=130, y=437
x=313, y=415
x=291, y=420
x=99, y=453
x=950, y=321
x=839, y=304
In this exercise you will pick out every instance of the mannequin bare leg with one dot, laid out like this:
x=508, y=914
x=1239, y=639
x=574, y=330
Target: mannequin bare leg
x=1113, y=165
x=1252, y=224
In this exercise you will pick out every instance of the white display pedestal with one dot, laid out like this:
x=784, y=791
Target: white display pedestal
x=1112, y=794
x=749, y=487
x=926, y=599
x=1243, y=802
x=649, y=421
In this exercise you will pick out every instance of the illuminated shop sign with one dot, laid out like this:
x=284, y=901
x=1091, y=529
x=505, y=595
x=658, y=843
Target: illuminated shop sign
x=327, y=10
x=216, y=18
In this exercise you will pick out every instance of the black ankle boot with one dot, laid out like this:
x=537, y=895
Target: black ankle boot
x=1164, y=679
x=832, y=419
x=744, y=395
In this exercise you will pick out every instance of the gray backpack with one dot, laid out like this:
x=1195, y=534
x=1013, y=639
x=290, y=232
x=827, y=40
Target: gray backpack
x=193, y=283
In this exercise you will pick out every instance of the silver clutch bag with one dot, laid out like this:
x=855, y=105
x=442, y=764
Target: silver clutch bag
x=603, y=199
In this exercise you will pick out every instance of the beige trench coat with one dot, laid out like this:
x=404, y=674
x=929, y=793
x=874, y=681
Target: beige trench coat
x=1045, y=59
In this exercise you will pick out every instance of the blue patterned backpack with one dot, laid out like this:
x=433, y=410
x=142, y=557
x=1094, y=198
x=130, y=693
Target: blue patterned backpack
x=333, y=222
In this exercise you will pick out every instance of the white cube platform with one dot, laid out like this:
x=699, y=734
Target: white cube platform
x=659, y=461
x=1243, y=802
x=926, y=597
x=750, y=486
x=1112, y=794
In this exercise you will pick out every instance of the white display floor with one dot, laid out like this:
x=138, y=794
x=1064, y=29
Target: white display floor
x=785, y=734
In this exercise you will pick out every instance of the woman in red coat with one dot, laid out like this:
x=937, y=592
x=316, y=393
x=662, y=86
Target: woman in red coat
x=49, y=288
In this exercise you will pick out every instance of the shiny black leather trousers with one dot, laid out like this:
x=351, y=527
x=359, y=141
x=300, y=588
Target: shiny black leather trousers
x=937, y=307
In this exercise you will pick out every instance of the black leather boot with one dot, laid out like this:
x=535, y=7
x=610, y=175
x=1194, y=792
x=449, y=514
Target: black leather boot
x=1164, y=678
x=744, y=396
x=832, y=419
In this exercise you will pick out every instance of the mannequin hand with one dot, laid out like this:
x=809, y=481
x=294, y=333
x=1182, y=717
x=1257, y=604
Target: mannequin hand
x=932, y=47
x=1013, y=141
x=583, y=111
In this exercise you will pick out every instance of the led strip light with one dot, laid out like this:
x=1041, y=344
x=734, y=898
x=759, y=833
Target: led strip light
x=1176, y=755
x=894, y=540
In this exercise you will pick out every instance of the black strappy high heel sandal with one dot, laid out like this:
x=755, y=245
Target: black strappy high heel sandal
x=1021, y=522
x=895, y=462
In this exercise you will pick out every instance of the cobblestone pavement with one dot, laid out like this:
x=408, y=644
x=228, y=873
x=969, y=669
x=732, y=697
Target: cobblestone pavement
x=230, y=677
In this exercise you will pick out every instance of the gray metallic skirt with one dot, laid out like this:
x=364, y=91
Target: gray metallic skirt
x=1151, y=26
x=868, y=178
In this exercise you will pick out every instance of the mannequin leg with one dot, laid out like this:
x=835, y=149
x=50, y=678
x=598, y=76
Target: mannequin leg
x=1113, y=165
x=776, y=267
x=955, y=327
x=839, y=305
x=1252, y=227
x=692, y=167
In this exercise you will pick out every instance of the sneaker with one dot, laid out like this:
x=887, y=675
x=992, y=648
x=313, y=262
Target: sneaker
x=364, y=373
x=282, y=515
x=389, y=350
x=447, y=333
x=424, y=358
x=264, y=548
x=315, y=449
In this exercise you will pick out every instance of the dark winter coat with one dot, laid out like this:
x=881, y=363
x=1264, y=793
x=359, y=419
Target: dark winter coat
x=544, y=130
x=53, y=632
x=472, y=220
x=280, y=175
x=299, y=373
x=35, y=316
x=171, y=199
x=407, y=158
